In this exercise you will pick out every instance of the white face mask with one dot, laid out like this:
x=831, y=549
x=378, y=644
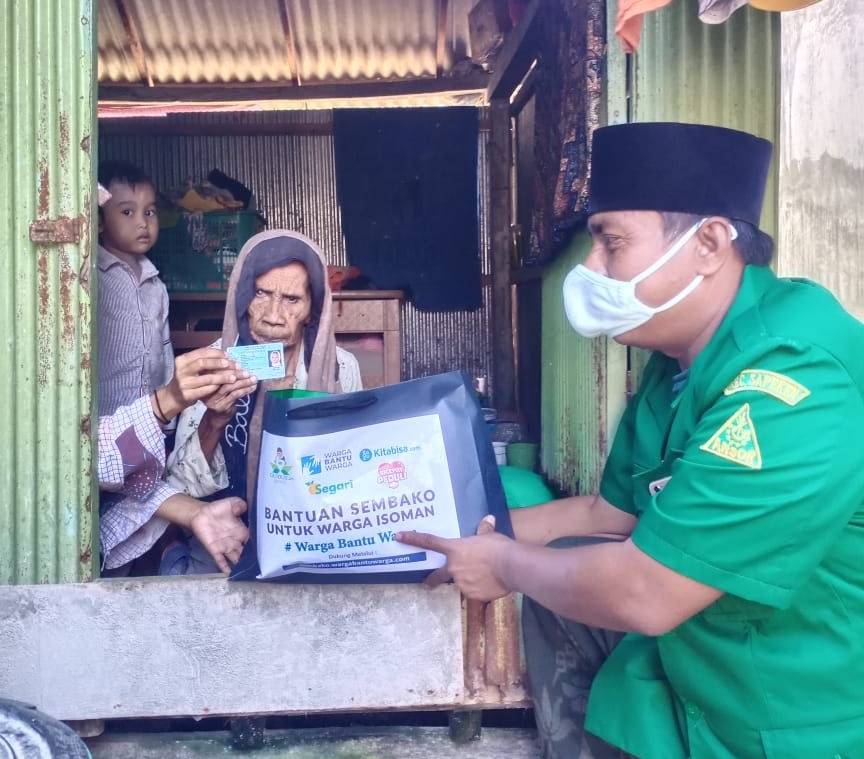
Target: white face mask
x=599, y=305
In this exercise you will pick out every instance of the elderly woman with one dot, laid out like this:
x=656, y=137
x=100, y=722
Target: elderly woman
x=278, y=293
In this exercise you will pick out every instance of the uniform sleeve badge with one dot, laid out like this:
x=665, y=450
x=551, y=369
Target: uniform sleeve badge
x=777, y=385
x=736, y=440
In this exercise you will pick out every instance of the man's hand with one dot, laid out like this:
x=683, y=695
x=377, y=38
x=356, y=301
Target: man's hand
x=470, y=561
x=218, y=526
x=198, y=375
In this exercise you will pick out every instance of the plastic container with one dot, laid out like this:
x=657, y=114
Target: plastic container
x=522, y=455
x=297, y=393
x=500, y=449
x=490, y=416
x=197, y=252
x=523, y=488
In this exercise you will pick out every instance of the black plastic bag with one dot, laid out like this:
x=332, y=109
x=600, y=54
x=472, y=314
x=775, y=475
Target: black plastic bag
x=340, y=475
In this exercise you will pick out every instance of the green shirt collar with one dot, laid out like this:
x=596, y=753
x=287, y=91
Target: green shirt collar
x=755, y=282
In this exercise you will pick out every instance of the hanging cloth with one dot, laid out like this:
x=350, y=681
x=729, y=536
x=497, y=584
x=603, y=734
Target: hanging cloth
x=628, y=22
x=718, y=11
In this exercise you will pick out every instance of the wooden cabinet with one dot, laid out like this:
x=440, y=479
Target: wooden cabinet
x=366, y=322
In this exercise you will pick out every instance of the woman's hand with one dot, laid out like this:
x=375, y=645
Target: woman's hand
x=223, y=402
x=198, y=375
x=219, y=528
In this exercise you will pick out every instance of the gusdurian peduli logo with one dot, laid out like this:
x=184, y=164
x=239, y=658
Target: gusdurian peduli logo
x=392, y=473
x=279, y=467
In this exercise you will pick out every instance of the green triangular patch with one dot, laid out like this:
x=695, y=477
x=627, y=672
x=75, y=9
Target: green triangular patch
x=736, y=440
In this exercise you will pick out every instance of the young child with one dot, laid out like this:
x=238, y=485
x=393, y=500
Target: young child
x=134, y=346
x=136, y=505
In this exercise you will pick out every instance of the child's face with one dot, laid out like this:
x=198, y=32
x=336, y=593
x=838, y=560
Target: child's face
x=128, y=226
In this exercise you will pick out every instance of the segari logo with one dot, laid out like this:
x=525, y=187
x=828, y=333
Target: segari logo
x=316, y=488
x=391, y=474
x=310, y=465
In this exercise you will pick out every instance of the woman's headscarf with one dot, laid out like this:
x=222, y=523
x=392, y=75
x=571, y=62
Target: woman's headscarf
x=263, y=252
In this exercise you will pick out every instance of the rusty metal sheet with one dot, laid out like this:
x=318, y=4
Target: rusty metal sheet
x=46, y=529
x=494, y=666
x=56, y=231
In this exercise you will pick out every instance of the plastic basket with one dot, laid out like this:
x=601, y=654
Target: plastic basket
x=198, y=251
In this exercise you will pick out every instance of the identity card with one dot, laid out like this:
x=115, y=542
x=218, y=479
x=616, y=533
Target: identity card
x=264, y=361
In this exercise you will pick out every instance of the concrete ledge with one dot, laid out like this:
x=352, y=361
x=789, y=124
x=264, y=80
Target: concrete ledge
x=199, y=646
x=327, y=743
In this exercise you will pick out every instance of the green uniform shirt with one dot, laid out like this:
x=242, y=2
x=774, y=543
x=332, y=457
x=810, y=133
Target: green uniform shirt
x=750, y=480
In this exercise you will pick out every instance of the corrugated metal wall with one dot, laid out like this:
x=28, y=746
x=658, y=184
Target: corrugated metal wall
x=48, y=114
x=688, y=71
x=294, y=180
x=822, y=148
x=582, y=388
x=724, y=74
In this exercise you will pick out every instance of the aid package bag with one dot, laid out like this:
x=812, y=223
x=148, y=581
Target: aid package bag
x=340, y=475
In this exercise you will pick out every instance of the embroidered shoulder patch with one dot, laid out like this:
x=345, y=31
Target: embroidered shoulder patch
x=736, y=440
x=762, y=381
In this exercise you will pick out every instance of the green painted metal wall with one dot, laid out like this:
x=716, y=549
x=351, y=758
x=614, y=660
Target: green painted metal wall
x=685, y=70
x=724, y=74
x=47, y=108
x=582, y=386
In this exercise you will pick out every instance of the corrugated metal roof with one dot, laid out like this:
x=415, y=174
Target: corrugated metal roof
x=290, y=42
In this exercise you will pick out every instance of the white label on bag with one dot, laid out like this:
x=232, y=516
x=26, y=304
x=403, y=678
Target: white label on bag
x=333, y=503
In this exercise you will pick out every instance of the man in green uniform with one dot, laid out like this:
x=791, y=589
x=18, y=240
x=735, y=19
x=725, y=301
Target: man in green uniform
x=712, y=601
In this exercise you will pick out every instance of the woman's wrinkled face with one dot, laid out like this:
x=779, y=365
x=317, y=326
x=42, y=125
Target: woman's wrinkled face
x=281, y=305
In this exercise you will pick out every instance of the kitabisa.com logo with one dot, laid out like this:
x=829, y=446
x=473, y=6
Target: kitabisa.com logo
x=367, y=454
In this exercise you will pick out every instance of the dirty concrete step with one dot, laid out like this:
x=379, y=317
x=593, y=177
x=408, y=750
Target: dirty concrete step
x=323, y=743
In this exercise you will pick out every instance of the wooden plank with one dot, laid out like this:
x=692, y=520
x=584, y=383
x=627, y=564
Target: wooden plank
x=441, y=38
x=200, y=646
x=183, y=340
x=237, y=92
x=516, y=56
x=499, y=160
x=134, y=40
x=290, y=47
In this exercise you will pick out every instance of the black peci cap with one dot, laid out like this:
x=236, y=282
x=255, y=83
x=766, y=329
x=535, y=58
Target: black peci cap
x=683, y=168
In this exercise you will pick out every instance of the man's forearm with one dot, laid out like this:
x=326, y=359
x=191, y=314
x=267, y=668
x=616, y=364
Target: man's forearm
x=612, y=585
x=577, y=516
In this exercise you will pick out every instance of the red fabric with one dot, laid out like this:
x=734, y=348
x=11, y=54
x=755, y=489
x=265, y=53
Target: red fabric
x=339, y=275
